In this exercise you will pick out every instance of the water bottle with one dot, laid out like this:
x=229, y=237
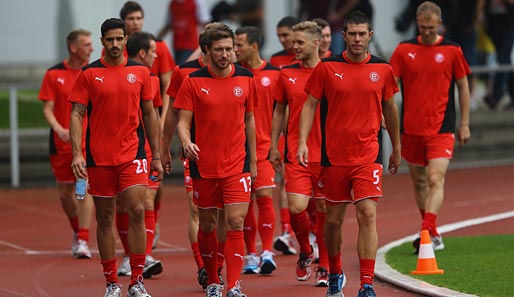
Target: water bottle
x=80, y=188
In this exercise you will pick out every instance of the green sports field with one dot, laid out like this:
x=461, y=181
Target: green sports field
x=30, y=110
x=481, y=265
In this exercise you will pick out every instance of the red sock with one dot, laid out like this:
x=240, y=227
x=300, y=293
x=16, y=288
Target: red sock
x=74, y=222
x=336, y=266
x=208, y=244
x=122, y=224
x=221, y=255
x=300, y=224
x=367, y=271
x=429, y=223
x=285, y=220
x=150, y=230
x=196, y=255
x=311, y=211
x=137, y=263
x=110, y=273
x=266, y=221
x=234, y=249
x=320, y=238
x=83, y=234
x=250, y=229
x=422, y=213
x=156, y=209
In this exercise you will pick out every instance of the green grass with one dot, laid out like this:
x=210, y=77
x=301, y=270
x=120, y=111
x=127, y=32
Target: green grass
x=482, y=265
x=30, y=110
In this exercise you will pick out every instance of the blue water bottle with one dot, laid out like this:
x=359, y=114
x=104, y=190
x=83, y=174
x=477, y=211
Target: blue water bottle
x=80, y=188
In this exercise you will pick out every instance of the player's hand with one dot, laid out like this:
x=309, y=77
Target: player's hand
x=78, y=165
x=253, y=171
x=166, y=161
x=191, y=151
x=64, y=135
x=463, y=135
x=276, y=160
x=394, y=162
x=302, y=155
x=156, y=170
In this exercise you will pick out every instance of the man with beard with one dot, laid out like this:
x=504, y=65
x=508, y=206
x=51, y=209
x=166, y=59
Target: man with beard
x=117, y=94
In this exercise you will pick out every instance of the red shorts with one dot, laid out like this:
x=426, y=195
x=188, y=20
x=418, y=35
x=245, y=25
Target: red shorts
x=61, y=167
x=418, y=150
x=265, y=176
x=218, y=192
x=303, y=180
x=188, y=181
x=338, y=182
x=108, y=181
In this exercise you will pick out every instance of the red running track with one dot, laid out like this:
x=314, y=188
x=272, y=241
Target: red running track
x=35, y=238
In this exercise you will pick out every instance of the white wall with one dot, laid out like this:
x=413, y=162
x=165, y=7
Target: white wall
x=33, y=31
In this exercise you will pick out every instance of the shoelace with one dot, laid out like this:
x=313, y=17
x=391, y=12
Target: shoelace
x=333, y=285
x=368, y=291
x=111, y=289
x=214, y=290
x=237, y=290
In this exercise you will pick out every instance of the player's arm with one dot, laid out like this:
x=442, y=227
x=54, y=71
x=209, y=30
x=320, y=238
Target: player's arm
x=48, y=112
x=306, y=119
x=78, y=163
x=164, y=79
x=190, y=149
x=152, y=134
x=464, y=133
x=279, y=114
x=170, y=125
x=250, y=136
x=390, y=115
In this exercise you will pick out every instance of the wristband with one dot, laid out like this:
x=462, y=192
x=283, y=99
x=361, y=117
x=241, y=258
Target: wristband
x=156, y=159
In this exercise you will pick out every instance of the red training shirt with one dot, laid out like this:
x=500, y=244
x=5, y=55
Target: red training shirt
x=290, y=90
x=351, y=96
x=219, y=106
x=113, y=96
x=56, y=86
x=428, y=74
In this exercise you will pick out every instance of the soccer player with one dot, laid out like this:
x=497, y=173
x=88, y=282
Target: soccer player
x=247, y=46
x=117, y=94
x=133, y=15
x=141, y=48
x=428, y=66
x=352, y=91
x=55, y=88
x=220, y=97
x=326, y=38
x=301, y=182
x=286, y=56
x=170, y=125
x=284, y=242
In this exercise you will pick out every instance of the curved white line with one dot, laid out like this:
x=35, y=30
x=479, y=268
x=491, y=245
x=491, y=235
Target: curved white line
x=35, y=279
x=386, y=273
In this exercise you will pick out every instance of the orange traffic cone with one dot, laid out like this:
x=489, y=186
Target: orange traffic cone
x=426, y=257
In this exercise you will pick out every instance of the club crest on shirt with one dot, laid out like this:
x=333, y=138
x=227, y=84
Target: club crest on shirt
x=265, y=81
x=439, y=58
x=238, y=91
x=131, y=78
x=374, y=77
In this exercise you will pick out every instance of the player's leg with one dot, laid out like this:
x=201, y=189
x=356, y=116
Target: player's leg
x=266, y=227
x=236, y=196
x=152, y=265
x=251, y=261
x=122, y=226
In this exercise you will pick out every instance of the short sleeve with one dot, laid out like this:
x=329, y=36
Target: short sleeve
x=47, y=92
x=80, y=91
x=315, y=85
x=184, y=99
